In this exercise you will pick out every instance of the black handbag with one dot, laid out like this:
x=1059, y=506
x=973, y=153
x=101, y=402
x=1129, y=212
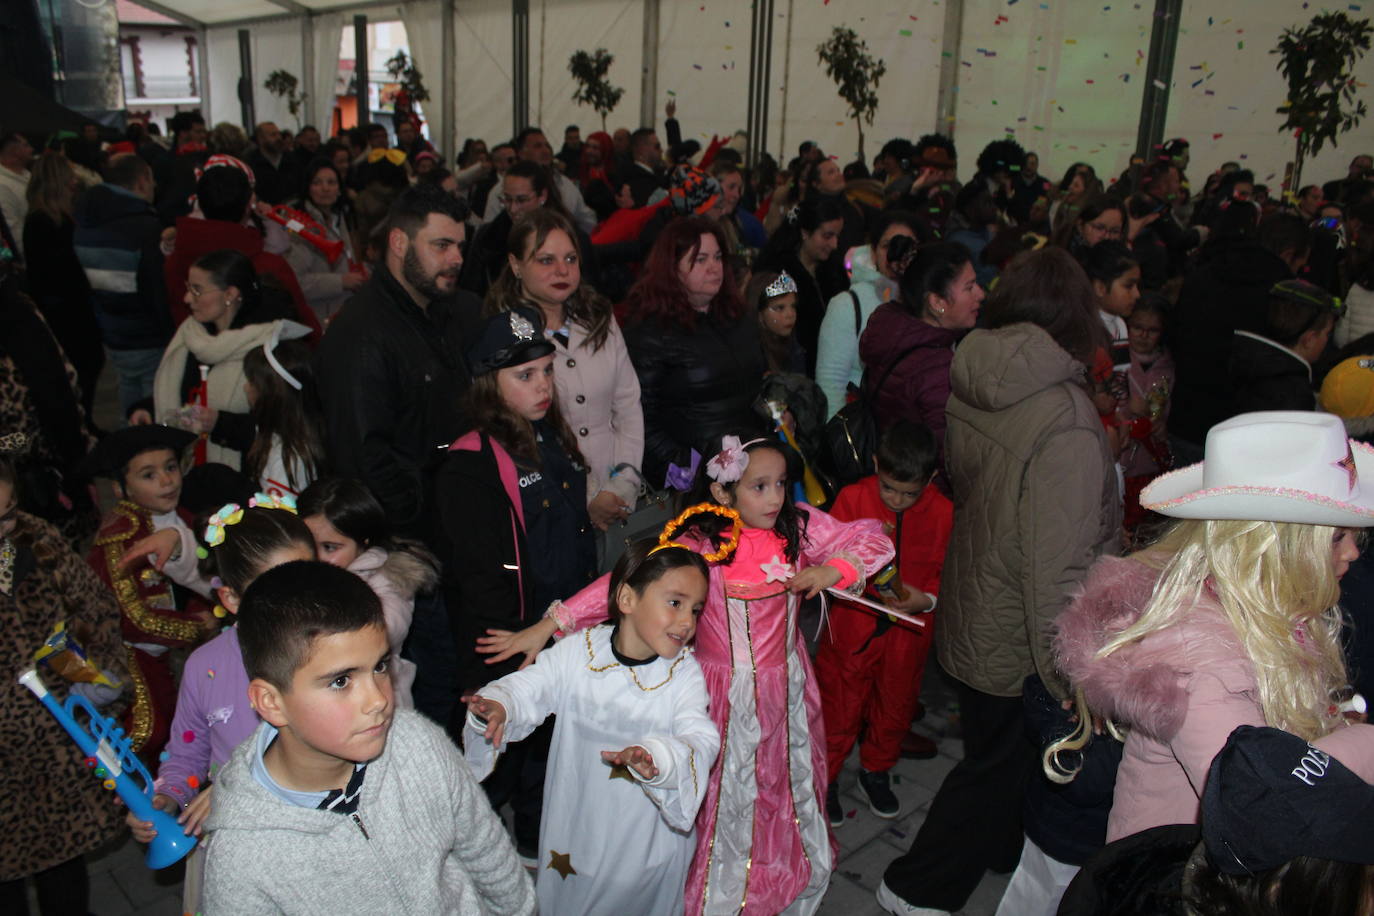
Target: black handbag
x=851, y=435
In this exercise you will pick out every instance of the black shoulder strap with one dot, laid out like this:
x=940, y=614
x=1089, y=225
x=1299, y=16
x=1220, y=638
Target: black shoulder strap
x=893, y=365
x=858, y=315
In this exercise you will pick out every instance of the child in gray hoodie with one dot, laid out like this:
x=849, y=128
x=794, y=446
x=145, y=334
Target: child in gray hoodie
x=339, y=803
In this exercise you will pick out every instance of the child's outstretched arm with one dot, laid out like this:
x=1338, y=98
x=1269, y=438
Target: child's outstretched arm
x=855, y=549
x=586, y=608
x=509, y=709
x=673, y=769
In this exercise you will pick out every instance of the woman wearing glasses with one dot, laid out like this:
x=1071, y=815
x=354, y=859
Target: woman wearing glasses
x=525, y=187
x=233, y=311
x=1101, y=217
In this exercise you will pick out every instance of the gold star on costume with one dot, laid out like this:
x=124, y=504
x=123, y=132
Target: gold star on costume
x=621, y=771
x=561, y=862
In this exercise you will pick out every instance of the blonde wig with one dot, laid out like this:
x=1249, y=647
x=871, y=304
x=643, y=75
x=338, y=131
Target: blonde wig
x=1276, y=584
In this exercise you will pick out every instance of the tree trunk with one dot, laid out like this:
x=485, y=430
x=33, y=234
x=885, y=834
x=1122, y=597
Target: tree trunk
x=858, y=122
x=1297, y=167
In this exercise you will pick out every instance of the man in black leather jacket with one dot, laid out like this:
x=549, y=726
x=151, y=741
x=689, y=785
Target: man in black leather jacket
x=391, y=369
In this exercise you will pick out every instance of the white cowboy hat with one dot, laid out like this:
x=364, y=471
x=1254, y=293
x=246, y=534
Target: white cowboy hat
x=1273, y=466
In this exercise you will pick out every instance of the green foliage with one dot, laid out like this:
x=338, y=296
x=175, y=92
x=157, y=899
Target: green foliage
x=402, y=70
x=856, y=74
x=593, y=88
x=1318, y=61
x=284, y=85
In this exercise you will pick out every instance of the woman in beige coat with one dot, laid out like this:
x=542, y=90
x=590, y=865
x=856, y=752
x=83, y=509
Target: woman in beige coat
x=1035, y=503
x=598, y=390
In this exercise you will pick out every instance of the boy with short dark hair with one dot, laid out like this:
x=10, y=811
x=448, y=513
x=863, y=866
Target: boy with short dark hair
x=339, y=803
x=1272, y=370
x=869, y=666
x=144, y=546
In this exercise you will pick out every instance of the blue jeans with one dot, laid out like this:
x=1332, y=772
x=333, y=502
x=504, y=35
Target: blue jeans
x=137, y=369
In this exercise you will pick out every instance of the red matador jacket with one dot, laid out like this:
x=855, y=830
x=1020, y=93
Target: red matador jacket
x=148, y=615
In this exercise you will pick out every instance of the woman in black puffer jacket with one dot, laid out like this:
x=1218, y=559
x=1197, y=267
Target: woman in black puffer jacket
x=696, y=352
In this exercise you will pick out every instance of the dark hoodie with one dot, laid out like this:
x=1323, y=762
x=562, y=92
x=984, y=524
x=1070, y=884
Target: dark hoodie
x=117, y=241
x=1226, y=292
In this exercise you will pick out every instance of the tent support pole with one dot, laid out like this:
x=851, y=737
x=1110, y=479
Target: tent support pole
x=947, y=103
x=360, y=70
x=760, y=69
x=1159, y=73
x=520, y=64
x=648, y=71
x=308, y=56
x=449, y=142
x=246, y=109
x=203, y=65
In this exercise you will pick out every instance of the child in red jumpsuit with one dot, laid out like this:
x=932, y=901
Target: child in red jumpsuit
x=868, y=666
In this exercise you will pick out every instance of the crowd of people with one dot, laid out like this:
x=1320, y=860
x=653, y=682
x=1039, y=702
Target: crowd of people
x=442, y=486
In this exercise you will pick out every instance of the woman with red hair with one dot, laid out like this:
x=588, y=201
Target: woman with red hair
x=594, y=174
x=696, y=353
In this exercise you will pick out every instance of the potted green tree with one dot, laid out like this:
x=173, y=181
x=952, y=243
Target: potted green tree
x=856, y=74
x=1318, y=61
x=284, y=85
x=593, y=88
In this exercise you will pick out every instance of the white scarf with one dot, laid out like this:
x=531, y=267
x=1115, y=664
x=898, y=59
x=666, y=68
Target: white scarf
x=223, y=353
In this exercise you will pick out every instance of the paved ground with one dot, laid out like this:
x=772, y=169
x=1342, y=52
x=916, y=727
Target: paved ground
x=121, y=885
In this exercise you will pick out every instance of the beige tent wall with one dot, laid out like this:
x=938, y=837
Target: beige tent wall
x=905, y=36
x=1064, y=77
x=558, y=29
x=482, y=34
x=1230, y=113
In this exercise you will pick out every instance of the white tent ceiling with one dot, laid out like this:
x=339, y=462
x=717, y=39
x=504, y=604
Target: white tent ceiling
x=228, y=12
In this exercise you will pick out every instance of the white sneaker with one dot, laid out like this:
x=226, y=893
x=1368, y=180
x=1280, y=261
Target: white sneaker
x=895, y=905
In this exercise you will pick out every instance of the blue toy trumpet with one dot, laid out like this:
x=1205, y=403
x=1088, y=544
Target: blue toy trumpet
x=109, y=755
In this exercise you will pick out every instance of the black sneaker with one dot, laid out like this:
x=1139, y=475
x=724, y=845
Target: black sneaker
x=877, y=788
x=833, y=811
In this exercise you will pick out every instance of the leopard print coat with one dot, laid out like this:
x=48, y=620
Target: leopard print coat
x=54, y=808
x=78, y=523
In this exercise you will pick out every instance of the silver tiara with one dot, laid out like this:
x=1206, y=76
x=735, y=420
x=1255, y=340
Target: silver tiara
x=520, y=326
x=781, y=286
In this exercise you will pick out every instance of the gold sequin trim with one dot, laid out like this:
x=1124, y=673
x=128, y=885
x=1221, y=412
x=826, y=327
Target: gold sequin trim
x=141, y=712
x=126, y=589
x=692, y=762
x=591, y=654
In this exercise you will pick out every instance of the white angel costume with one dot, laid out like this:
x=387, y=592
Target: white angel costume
x=609, y=841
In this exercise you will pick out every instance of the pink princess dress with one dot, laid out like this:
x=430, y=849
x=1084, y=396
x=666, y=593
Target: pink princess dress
x=762, y=844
